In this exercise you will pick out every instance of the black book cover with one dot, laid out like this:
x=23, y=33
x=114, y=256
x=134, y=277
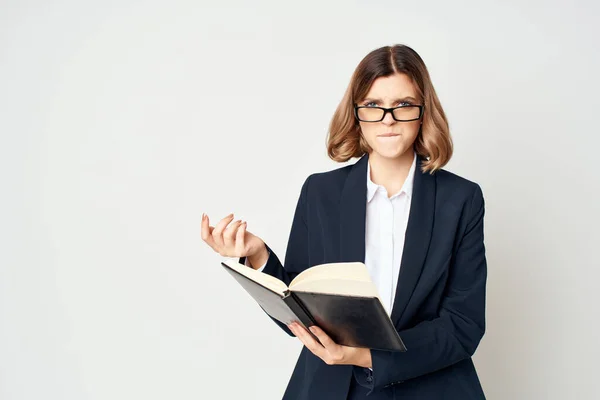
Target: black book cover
x=352, y=320
x=349, y=320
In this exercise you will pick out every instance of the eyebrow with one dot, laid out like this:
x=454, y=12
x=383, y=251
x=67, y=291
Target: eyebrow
x=409, y=98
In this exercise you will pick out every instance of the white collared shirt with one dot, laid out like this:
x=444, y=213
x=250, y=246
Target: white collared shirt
x=385, y=229
x=386, y=222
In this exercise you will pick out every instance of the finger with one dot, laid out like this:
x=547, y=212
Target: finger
x=304, y=333
x=314, y=346
x=297, y=331
x=292, y=328
x=240, y=239
x=205, y=232
x=324, y=338
x=229, y=234
x=217, y=233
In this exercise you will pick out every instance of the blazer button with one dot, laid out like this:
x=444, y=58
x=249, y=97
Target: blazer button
x=369, y=379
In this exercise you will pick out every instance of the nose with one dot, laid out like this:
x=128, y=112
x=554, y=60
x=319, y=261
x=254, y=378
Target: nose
x=388, y=119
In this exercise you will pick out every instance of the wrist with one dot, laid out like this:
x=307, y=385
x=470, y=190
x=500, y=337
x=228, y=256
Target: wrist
x=259, y=258
x=359, y=356
x=365, y=360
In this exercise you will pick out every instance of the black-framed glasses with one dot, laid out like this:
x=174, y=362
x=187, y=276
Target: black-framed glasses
x=404, y=113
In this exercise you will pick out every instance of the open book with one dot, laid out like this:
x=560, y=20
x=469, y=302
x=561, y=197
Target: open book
x=340, y=298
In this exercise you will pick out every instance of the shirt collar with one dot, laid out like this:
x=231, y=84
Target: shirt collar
x=406, y=187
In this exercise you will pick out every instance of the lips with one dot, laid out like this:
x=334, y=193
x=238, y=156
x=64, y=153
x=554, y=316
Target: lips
x=389, y=135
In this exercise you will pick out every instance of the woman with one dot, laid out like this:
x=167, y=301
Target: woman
x=417, y=227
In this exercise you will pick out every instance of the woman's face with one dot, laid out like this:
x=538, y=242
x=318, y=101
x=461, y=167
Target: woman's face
x=391, y=91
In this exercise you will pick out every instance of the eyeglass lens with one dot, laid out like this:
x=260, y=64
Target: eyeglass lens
x=376, y=114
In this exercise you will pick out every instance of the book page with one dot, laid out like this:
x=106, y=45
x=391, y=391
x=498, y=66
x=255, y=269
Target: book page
x=263, y=279
x=348, y=278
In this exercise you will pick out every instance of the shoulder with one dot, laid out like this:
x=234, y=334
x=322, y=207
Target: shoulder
x=332, y=178
x=326, y=182
x=447, y=180
x=461, y=191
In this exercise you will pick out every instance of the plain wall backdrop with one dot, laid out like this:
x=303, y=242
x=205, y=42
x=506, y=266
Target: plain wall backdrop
x=121, y=122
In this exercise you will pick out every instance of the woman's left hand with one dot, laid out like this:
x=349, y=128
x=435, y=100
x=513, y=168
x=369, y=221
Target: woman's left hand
x=329, y=351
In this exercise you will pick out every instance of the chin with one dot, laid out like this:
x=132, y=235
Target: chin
x=389, y=153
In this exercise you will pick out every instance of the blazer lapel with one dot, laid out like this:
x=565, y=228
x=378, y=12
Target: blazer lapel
x=353, y=207
x=417, y=238
x=353, y=212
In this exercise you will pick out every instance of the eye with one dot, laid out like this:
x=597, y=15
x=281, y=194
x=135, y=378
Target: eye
x=371, y=102
x=405, y=103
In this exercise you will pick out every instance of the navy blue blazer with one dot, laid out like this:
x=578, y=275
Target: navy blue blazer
x=439, y=306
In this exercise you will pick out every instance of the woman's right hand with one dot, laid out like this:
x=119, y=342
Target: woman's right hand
x=232, y=239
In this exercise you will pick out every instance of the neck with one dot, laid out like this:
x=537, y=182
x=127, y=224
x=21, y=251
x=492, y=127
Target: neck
x=390, y=172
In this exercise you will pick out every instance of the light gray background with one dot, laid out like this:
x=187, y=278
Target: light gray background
x=122, y=121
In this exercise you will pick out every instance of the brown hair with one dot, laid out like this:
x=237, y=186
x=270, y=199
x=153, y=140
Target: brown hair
x=433, y=142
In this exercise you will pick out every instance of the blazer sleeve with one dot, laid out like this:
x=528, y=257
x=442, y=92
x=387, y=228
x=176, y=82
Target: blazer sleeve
x=455, y=334
x=296, y=257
